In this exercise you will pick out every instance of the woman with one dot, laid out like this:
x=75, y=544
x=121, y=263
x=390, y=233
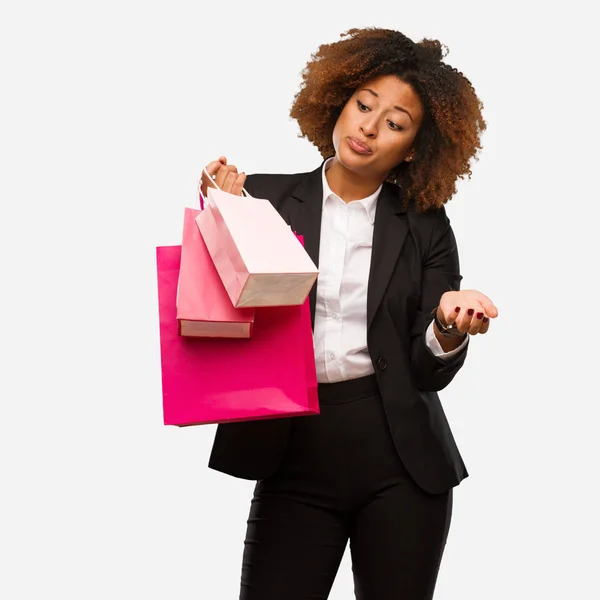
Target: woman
x=397, y=127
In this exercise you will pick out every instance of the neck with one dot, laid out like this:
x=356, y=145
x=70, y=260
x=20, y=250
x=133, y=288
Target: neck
x=349, y=185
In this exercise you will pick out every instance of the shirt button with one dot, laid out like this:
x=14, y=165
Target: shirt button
x=334, y=316
x=331, y=355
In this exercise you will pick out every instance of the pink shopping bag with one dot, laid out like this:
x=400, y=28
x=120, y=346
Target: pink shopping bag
x=257, y=256
x=203, y=305
x=222, y=380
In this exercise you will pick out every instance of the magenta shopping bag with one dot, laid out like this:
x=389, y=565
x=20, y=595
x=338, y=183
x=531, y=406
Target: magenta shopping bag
x=222, y=380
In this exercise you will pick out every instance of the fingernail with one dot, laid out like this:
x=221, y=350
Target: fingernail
x=480, y=315
x=457, y=309
x=485, y=319
x=470, y=311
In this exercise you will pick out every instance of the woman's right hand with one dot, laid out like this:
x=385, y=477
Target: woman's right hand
x=225, y=176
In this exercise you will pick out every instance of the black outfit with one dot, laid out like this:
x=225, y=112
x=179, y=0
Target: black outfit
x=378, y=465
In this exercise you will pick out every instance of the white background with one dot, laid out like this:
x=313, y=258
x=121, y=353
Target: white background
x=109, y=110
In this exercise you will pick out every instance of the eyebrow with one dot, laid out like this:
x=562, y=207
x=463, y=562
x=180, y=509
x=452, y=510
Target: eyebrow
x=396, y=107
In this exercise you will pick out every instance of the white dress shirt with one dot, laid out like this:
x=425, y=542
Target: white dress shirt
x=340, y=330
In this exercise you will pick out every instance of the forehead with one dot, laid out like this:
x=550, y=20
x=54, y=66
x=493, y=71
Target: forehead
x=391, y=90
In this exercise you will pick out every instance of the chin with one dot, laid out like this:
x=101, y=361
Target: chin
x=354, y=162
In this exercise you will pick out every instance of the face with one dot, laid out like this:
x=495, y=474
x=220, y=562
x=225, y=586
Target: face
x=378, y=126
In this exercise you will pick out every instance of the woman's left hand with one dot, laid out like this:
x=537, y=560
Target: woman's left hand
x=469, y=310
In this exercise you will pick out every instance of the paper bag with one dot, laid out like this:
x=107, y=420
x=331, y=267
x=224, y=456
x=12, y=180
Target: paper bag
x=259, y=259
x=203, y=306
x=223, y=380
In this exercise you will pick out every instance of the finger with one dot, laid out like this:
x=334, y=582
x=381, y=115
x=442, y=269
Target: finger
x=463, y=321
x=485, y=325
x=450, y=318
x=476, y=322
x=215, y=165
x=229, y=182
x=223, y=173
x=489, y=307
x=238, y=184
x=207, y=180
x=212, y=168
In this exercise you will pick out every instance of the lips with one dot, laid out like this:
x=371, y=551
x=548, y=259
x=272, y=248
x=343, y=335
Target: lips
x=359, y=146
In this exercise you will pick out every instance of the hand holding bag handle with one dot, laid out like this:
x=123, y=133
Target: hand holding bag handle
x=211, y=179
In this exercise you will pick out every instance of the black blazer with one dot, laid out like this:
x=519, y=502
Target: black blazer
x=414, y=261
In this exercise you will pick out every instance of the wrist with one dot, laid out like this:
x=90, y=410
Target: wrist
x=447, y=344
x=449, y=332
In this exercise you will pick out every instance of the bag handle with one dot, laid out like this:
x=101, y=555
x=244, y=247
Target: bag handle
x=201, y=197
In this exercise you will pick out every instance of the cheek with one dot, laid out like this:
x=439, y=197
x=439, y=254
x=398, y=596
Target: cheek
x=338, y=130
x=395, y=151
x=335, y=137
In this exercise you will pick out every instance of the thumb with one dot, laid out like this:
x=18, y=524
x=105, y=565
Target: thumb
x=489, y=307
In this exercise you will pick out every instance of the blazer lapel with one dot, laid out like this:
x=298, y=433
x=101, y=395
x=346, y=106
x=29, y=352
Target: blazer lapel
x=305, y=219
x=390, y=231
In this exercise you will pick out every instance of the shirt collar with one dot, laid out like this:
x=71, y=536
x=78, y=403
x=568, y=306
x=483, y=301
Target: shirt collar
x=369, y=203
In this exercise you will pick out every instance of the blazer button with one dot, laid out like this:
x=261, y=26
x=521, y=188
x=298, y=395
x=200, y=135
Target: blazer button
x=381, y=363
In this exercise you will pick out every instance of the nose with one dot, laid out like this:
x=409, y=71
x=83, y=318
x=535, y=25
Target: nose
x=369, y=127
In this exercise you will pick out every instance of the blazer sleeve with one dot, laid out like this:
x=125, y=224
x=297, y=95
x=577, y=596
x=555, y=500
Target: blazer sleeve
x=441, y=273
x=250, y=185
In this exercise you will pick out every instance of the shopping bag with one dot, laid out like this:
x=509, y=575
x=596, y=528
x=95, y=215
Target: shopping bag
x=203, y=306
x=259, y=259
x=223, y=380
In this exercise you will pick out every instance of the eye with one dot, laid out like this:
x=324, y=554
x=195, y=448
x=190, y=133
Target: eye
x=362, y=107
x=395, y=126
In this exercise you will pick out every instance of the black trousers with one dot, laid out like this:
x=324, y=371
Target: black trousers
x=341, y=479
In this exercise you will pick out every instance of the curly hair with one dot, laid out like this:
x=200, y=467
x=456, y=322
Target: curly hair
x=452, y=125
